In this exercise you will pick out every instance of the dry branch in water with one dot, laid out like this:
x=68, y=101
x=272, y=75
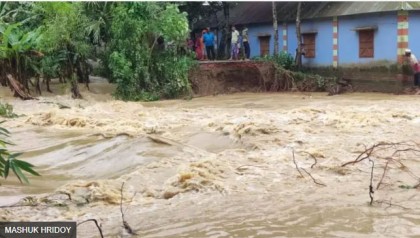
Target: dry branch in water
x=383, y=175
x=395, y=150
x=96, y=223
x=304, y=170
x=126, y=226
x=390, y=204
x=371, y=192
x=297, y=167
x=381, y=146
x=313, y=179
x=313, y=157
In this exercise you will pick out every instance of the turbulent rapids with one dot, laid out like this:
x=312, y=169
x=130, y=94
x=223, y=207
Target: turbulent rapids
x=238, y=165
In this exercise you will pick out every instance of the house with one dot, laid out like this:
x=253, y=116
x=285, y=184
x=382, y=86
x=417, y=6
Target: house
x=334, y=33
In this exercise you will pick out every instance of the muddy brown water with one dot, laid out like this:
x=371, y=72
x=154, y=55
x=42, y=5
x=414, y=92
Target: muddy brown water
x=218, y=166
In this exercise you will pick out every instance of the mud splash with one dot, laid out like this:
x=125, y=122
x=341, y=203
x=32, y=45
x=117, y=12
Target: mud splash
x=217, y=166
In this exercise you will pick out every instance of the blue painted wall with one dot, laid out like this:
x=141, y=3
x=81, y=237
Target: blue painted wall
x=323, y=39
x=414, y=33
x=256, y=30
x=385, y=41
x=323, y=42
x=291, y=39
x=385, y=38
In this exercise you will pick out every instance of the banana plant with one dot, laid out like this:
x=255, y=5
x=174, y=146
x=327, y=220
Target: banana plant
x=8, y=161
x=15, y=49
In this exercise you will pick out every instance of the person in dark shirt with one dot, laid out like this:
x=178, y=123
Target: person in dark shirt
x=209, y=43
x=245, y=41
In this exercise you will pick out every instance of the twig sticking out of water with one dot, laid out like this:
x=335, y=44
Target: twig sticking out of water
x=313, y=157
x=383, y=175
x=304, y=170
x=381, y=146
x=313, y=179
x=96, y=223
x=394, y=150
x=294, y=161
x=126, y=226
x=371, y=182
x=390, y=204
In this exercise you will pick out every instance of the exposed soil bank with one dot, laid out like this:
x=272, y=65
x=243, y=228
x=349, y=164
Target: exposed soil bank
x=379, y=77
x=222, y=77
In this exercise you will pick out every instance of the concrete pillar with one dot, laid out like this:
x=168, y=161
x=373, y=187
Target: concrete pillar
x=284, y=30
x=402, y=35
x=335, y=42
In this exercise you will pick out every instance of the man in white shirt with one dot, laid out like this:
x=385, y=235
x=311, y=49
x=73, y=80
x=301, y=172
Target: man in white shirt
x=234, y=49
x=411, y=58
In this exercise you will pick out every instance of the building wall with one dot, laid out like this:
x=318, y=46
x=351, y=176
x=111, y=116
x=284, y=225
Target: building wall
x=385, y=38
x=291, y=38
x=254, y=31
x=323, y=42
x=414, y=33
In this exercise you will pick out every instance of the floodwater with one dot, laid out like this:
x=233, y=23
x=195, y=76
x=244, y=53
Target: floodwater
x=219, y=166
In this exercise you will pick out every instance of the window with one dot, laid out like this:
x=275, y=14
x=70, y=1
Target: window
x=366, y=43
x=264, y=45
x=309, y=44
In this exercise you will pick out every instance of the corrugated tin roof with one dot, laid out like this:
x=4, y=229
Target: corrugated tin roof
x=351, y=8
x=261, y=12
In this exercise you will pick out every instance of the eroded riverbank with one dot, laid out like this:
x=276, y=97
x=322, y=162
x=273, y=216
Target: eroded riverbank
x=217, y=166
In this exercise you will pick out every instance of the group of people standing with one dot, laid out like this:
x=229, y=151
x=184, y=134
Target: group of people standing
x=204, y=44
x=236, y=41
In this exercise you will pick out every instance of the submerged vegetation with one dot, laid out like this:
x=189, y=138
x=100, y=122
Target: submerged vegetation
x=141, y=47
x=6, y=110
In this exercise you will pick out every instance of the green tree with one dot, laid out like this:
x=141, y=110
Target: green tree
x=55, y=28
x=145, y=51
x=63, y=35
x=16, y=47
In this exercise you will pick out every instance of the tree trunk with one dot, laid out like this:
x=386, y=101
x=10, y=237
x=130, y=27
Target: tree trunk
x=224, y=49
x=82, y=70
x=37, y=86
x=276, y=30
x=298, y=60
x=18, y=88
x=48, y=80
x=3, y=79
x=75, y=92
x=86, y=74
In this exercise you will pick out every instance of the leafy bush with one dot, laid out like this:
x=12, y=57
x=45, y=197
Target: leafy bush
x=283, y=59
x=144, y=57
x=6, y=110
x=9, y=162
